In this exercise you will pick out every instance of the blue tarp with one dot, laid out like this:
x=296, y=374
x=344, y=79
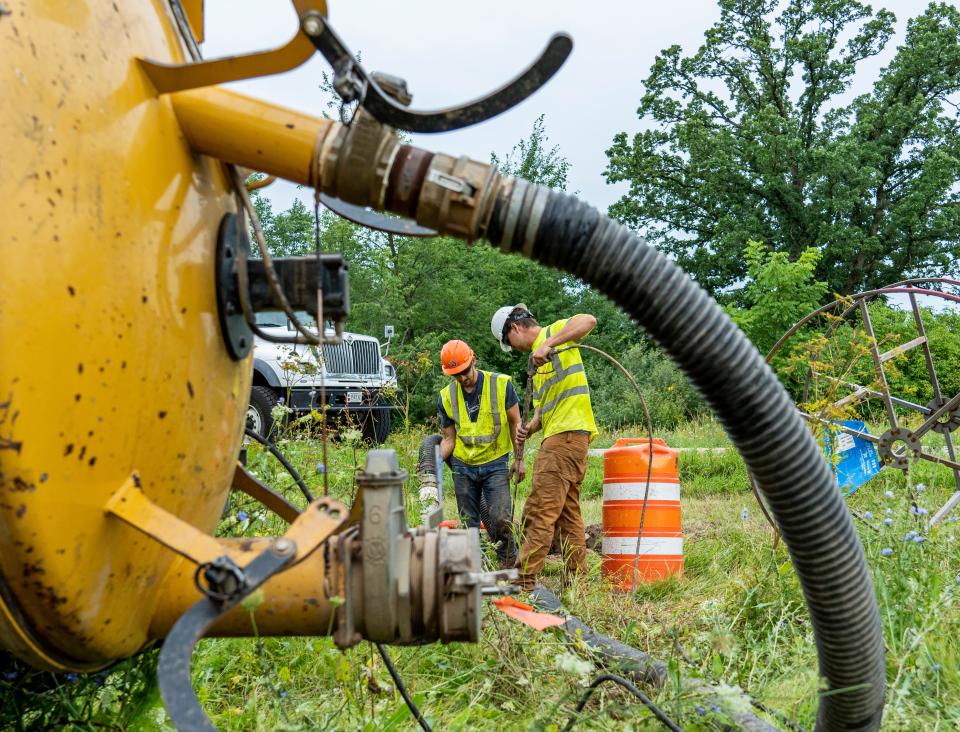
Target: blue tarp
x=858, y=457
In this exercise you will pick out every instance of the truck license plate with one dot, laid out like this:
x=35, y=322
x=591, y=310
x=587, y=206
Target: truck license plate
x=354, y=397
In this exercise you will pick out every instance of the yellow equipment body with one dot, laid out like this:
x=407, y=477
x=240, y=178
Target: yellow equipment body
x=121, y=409
x=111, y=360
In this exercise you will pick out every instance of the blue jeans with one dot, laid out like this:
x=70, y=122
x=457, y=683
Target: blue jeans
x=483, y=493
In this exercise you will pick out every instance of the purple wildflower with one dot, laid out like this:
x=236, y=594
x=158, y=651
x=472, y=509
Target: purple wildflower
x=886, y=552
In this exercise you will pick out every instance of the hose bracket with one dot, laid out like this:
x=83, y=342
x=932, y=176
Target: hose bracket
x=354, y=84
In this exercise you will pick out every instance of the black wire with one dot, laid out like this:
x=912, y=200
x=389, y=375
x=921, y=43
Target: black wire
x=402, y=689
x=649, y=419
x=667, y=722
x=283, y=461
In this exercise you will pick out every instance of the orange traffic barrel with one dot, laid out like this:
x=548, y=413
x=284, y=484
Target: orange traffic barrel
x=660, y=554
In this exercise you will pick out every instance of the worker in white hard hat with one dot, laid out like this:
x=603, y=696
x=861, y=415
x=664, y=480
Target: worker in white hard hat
x=562, y=409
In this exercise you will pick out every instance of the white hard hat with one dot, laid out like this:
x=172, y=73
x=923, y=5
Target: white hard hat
x=499, y=320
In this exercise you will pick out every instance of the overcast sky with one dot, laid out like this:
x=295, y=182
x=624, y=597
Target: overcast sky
x=451, y=52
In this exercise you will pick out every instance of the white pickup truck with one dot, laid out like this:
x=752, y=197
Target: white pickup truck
x=355, y=374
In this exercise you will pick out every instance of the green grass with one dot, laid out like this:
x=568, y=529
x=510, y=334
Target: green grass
x=737, y=618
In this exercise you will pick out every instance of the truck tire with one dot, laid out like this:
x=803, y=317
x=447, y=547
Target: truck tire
x=260, y=410
x=376, y=426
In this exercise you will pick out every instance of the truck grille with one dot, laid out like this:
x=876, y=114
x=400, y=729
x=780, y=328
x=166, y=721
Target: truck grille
x=358, y=357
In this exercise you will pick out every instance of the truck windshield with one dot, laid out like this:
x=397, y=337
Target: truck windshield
x=271, y=320
x=274, y=319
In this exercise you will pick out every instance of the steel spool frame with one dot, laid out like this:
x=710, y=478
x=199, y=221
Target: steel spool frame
x=941, y=414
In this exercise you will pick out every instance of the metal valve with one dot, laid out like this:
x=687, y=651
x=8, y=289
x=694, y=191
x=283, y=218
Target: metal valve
x=407, y=585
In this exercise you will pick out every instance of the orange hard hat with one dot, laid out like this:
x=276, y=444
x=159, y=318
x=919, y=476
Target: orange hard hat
x=455, y=356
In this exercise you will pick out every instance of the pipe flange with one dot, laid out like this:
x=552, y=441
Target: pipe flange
x=459, y=584
x=897, y=459
x=233, y=243
x=949, y=421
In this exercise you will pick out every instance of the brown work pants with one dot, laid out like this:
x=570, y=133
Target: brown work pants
x=554, y=504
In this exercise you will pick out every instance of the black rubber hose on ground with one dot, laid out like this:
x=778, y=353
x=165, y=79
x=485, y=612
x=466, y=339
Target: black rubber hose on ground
x=558, y=230
x=644, y=669
x=253, y=435
x=639, y=666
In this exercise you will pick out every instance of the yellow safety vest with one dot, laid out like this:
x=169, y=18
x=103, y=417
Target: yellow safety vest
x=560, y=389
x=489, y=437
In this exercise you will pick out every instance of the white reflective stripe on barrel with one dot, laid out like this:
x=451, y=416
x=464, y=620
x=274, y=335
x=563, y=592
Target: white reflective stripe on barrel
x=620, y=545
x=635, y=491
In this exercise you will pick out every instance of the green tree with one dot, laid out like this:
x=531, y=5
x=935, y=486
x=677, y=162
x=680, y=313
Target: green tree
x=534, y=160
x=779, y=293
x=751, y=138
x=437, y=289
x=290, y=233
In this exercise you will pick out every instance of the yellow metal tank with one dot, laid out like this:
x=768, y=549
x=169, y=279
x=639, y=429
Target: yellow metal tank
x=111, y=358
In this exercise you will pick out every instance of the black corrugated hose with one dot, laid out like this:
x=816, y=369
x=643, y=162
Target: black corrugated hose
x=427, y=463
x=558, y=230
x=427, y=460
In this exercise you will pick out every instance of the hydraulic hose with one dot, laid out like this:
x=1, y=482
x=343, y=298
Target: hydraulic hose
x=427, y=466
x=427, y=461
x=560, y=231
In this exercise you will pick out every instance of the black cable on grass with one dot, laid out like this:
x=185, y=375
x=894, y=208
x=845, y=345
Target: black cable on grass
x=667, y=722
x=283, y=461
x=401, y=688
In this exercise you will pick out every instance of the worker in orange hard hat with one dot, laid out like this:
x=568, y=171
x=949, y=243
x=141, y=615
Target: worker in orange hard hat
x=480, y=415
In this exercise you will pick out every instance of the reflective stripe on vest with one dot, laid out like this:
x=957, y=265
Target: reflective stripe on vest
x=493, y=390
x=571, y=392
x=563, y=394
x=486, y=439
x=558, y=375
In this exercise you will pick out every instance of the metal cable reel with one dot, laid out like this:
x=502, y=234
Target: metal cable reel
x=853, y=369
